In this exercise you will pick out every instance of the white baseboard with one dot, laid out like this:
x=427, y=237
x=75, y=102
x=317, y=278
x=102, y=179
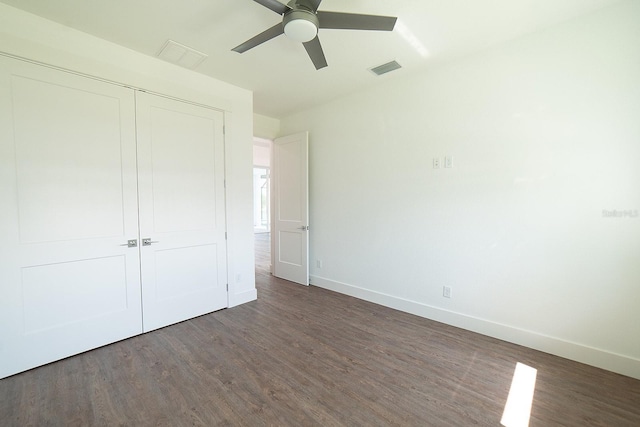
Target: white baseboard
x=242, y=297
x=569, y=350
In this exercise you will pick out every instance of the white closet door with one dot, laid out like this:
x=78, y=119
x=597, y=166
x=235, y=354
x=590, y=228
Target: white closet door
x=68, y=204
x=182, y=211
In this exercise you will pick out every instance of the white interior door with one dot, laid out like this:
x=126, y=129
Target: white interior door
x=182, y=210
x=290, y=208
x=68, y=282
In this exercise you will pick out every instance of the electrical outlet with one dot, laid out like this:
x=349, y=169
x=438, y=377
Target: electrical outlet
x=446, y=291
x=319, y=263
x=436, y=162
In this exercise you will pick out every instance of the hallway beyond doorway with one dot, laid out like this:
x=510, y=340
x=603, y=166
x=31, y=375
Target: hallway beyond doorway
x=263, y=253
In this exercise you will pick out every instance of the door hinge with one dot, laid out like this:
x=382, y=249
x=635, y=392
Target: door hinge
x=225, y=235
x=227, y=287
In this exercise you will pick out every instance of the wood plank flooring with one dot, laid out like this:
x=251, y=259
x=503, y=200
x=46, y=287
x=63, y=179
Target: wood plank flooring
x=304, y=356
x=263, y=253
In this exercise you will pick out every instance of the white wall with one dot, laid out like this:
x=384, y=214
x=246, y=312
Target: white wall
x=545, y=135
x=265, y=130
x=265, y=127
x=28, y=36
x=262, y=153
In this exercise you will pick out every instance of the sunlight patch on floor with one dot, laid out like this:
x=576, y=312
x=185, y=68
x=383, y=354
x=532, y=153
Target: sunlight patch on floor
x=517, y=411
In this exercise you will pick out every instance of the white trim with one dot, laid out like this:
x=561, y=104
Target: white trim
x=570, y=350
x=222, y=108
x=242, y=297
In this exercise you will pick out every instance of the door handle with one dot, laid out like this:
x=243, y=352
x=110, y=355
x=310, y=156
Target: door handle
x=148, y=242
x=304, y=227
x=133, y=243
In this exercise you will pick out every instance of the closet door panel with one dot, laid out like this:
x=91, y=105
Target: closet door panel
x=69, y=202
x=68, y=160
x=182, y=212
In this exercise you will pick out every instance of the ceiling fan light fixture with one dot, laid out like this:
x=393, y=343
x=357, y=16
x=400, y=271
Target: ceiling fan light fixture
x=301, y=21
x=301, y=26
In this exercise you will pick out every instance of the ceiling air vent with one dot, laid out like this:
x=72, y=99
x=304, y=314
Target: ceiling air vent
x=385, y=68
x=182, y=55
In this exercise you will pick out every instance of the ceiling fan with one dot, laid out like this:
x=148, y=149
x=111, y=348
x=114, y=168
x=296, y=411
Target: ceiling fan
x=301, y=21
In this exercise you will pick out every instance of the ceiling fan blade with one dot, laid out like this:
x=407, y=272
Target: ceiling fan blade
x=354, y=21
x=264, y=36
x=314, y=49
x=274, y=5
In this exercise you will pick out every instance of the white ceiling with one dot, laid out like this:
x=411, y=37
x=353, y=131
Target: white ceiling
x=279, y=72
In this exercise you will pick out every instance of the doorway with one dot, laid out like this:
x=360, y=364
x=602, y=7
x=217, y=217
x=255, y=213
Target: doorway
x=261, y=198
x=262, y=203
x=287, y=160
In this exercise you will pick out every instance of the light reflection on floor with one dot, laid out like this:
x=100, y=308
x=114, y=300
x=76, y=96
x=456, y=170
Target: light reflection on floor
x=517, y=411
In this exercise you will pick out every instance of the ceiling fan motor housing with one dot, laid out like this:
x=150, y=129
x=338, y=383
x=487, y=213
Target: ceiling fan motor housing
x=300, y=25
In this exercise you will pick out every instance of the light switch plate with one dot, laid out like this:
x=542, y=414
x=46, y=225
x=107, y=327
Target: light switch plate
x=448, y=162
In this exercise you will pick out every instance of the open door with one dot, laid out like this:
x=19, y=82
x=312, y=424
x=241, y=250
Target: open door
x=290, y=208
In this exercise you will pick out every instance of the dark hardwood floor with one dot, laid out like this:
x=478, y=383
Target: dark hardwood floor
x=263, y=253
x=306, y=356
